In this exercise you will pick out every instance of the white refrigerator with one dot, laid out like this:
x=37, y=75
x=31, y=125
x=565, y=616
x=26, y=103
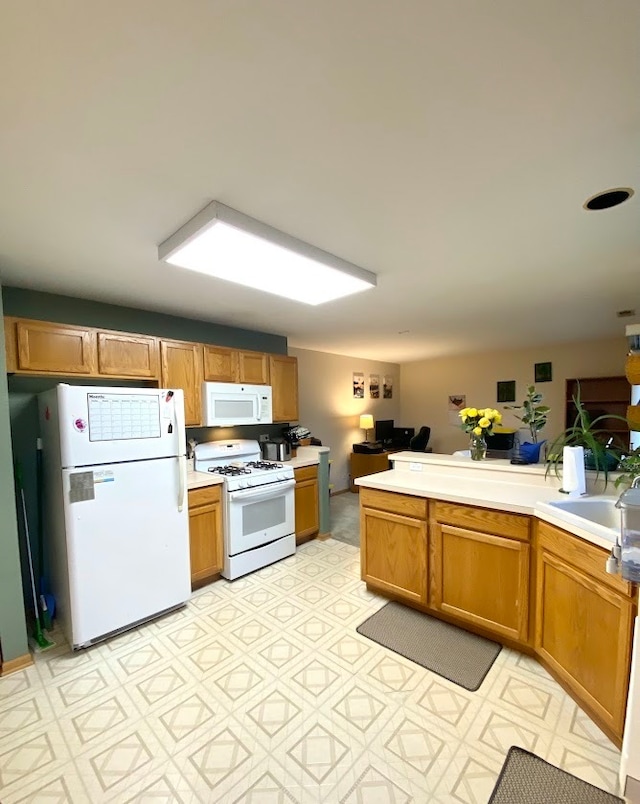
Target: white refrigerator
x=116, y=524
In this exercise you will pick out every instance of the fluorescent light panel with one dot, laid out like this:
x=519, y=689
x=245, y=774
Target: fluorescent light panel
x=224, y=243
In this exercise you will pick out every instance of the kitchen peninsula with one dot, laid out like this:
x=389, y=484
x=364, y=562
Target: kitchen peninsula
x=478, y=545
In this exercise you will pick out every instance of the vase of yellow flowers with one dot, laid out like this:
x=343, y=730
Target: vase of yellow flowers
x=479, y=422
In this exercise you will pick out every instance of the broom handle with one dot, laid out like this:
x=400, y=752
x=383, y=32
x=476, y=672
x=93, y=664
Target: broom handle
x=40, y=513
x=26, y=533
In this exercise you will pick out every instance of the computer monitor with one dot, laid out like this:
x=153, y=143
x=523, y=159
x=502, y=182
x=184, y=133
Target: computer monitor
x=384, y=431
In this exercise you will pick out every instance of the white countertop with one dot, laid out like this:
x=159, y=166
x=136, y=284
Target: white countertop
x=198, y=480
x=488, y=484
x=307, y=456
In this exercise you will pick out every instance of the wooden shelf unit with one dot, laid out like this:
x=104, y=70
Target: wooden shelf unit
x=601, y=395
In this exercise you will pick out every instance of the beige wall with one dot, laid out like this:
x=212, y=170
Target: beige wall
x=426, y=385
x=329, y=410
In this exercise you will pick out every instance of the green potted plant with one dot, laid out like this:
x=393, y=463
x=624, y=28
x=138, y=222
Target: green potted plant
x=585, y=432
x=534, y=415
x=630, y=468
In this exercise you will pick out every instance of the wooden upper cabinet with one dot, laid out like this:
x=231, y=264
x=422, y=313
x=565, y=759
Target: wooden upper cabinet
x=253, y=368
x=182, y=368
x=220, y=364
x=123, y=355
x=283, y=371
x=39, y=346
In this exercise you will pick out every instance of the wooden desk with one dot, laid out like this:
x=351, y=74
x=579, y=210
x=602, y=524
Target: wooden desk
x=367, y=463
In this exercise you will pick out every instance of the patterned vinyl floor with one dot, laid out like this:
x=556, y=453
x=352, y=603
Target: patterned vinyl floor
x=261, y=691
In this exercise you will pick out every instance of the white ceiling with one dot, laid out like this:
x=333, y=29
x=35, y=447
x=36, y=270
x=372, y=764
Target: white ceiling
x=446, y=146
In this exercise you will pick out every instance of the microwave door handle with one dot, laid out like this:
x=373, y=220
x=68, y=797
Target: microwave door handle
x=261, y=491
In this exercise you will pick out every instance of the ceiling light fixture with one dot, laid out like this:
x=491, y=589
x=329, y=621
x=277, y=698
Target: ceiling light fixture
x=608, y=198
x=227, y=244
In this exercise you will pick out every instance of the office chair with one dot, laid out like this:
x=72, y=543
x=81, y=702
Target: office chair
x=419, y=442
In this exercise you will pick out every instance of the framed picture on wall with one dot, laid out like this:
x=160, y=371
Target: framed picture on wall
x=506, y=391
x=358, y=385
x=387, y=388
x=374, y=386
x=455, y=403
x=543, y=372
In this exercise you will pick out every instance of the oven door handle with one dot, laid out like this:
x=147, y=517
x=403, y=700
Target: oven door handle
x=270, y=490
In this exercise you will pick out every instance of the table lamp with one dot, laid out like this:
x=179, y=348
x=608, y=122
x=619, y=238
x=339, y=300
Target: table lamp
x=366, y=423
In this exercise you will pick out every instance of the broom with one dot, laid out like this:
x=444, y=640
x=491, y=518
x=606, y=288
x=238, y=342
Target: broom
x=41, y=641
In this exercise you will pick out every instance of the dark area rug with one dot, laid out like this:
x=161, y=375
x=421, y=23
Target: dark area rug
x=444, y=649
x=527, y=779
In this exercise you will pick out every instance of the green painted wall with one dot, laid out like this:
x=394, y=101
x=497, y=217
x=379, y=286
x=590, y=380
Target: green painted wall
x=13, y=632
x=22, y=391
x=68, y=310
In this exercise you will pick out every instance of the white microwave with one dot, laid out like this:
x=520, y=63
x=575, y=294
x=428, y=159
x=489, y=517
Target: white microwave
x=227, y=404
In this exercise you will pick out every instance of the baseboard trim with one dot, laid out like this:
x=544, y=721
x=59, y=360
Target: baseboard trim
x=13, y=665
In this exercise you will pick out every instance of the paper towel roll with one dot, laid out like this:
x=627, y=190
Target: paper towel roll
x=573, y=476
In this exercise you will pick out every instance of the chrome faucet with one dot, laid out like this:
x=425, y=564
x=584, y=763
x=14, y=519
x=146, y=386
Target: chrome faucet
x=625, y=555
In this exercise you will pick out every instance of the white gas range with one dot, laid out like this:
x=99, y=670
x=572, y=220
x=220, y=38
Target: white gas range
x=259, y=515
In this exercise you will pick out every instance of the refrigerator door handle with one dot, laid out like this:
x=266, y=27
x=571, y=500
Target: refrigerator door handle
x=178, y=412
x=182, y=471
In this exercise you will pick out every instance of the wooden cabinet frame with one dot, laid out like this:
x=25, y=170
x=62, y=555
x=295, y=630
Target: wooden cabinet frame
x=306, y=503
x=45, y=348
x=563, y=592
x=124, y=355
x=206, y=544
x=487, y=600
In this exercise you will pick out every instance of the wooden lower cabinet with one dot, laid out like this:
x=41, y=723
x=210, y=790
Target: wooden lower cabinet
x=481, y=576
x=306, y=503
x=511, y=577
x=584, y=622
x=205, y=534
x=182, y=367
x=393, y=546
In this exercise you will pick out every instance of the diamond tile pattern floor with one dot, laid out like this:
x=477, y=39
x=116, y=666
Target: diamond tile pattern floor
x=261, y=691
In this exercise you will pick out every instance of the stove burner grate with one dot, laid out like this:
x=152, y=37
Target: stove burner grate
x=231, y=471
x=264, y=465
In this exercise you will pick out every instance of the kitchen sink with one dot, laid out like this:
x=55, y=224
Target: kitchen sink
x=600, y=512
x=594, y=518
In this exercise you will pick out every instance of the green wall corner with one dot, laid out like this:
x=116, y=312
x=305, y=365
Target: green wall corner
x=13, y=629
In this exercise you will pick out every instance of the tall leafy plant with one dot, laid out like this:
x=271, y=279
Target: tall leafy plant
x=589, y=434
x=534, y=415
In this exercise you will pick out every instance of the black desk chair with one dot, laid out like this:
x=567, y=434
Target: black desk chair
x=419, y=442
